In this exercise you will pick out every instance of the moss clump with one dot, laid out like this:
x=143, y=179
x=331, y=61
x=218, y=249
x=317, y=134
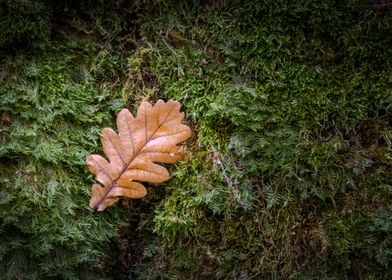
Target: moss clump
x=54, y=102
x=289, y=174
x=24, y=23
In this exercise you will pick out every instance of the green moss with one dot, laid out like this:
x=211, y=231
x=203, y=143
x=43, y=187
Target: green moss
x=291, y=114
x=53, y=105
x=24, y=23
x=288, y=171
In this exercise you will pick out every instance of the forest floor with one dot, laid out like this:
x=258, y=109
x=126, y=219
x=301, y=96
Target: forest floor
x=287, y=173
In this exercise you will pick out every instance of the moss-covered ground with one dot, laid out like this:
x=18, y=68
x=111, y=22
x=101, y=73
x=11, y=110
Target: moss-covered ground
x=287, y=174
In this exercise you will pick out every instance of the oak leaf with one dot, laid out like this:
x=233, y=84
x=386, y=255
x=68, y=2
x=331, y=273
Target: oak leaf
x=150, y=137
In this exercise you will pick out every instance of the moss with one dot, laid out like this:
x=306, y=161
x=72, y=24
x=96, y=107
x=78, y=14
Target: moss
x=54, y=102
x=282, y=112
x=288, y=171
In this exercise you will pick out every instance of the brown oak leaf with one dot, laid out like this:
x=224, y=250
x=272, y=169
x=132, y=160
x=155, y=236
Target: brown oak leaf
x=150, y=137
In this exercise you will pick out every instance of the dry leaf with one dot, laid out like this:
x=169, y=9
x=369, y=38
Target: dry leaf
x=150, y=137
